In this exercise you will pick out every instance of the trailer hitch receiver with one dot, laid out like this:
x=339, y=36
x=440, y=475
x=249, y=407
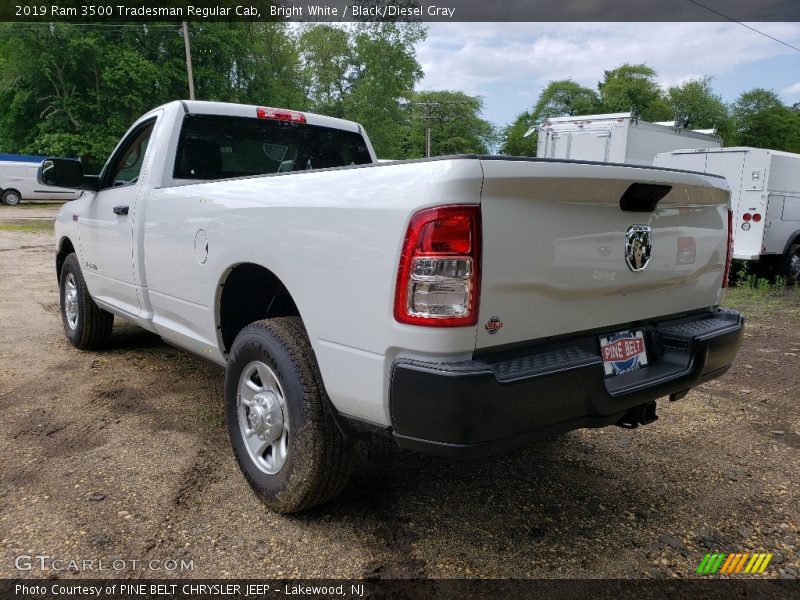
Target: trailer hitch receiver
x=638, y=415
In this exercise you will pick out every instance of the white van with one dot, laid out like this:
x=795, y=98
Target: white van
x=18, y=181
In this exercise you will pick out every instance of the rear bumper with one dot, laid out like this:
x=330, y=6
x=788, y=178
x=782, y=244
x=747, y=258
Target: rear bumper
x=491, y=404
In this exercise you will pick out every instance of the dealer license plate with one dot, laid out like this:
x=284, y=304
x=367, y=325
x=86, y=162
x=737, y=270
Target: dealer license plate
x=623, y=352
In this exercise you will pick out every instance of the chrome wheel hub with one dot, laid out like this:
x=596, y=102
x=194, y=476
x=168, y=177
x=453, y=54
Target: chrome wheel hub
x=263, y=417
x=71, y=301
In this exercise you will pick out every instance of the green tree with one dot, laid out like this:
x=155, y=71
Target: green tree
x=327, y=61
x=513, y=139
x=565, y=98
x=275, y=76
x=74, y=89
x=383, y=75
x=761, y=120
x=633, y=88
x=456, y=125
x=696, y=106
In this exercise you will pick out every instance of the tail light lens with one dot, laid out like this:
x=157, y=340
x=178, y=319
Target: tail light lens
x=687, y=251
x=756, y=217
x=277, y=114
x=746, y=217
x=439, y=274
x=729, y=256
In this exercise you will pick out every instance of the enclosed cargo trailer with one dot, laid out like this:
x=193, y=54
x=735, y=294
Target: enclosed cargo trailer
x=615, y=138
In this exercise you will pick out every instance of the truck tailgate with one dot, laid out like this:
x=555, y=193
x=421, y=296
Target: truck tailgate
x=554, y=247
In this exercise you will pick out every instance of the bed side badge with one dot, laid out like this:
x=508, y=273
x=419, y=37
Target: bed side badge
x=493, y=325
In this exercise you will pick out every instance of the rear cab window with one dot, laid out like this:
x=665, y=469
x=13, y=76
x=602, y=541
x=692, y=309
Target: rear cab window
x=223, y=147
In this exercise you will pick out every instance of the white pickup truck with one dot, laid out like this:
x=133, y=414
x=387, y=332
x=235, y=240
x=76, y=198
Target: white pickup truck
x=463, y=304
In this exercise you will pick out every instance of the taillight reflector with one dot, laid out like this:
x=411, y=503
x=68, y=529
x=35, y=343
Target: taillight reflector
x=439, y=273
x=687, y=251
x=277, y=114
x=756, y=217
x=746, y=217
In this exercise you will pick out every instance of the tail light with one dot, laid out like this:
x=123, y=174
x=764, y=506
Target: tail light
x=746, y=217
x=439, y=274
x=729, y=256
x=756, y=217
x=277, y=114
x=687, y=251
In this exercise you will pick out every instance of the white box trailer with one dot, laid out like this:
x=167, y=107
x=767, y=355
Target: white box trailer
x=765, y=200
x=615, y=137
x=18, y=181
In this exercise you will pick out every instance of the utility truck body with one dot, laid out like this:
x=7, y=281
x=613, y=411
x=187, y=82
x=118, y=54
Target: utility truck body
x=615, y=138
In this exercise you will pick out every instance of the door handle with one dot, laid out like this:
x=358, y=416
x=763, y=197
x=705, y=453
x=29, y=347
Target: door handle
x=120, y=210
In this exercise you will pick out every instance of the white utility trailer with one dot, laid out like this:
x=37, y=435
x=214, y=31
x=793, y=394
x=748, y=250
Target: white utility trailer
x=615, y=137
x=765, y=200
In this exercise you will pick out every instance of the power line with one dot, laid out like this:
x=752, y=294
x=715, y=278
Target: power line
x=731, y=19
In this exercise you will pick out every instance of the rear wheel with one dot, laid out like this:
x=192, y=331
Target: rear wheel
x=11, y=197
x=791, y=265
x=86, y=325
x=284, y=437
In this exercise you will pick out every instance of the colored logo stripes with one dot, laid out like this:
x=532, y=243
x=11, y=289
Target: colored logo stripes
x=727, y=564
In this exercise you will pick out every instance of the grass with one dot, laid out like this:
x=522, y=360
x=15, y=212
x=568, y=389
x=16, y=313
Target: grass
x=755, y=295
x=32, y=226
x=40, y=204
x=212, y=415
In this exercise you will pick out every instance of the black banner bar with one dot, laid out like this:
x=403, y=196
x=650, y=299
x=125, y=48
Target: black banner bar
x=489, y=589
x=83, y=11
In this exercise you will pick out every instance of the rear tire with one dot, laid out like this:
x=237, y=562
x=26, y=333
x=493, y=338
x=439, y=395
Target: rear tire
x=86, y=325
x=283, y=434
x=791, y=265
x=11, y=197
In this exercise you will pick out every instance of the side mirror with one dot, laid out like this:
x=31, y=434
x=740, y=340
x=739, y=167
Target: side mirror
x=61, y=172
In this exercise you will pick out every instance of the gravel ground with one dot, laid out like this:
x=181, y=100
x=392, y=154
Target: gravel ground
x=123, y=454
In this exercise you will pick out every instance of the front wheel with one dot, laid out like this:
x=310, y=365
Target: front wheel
x=86, y=325
x=283, y=435
x=792, y=265
x=11, y=197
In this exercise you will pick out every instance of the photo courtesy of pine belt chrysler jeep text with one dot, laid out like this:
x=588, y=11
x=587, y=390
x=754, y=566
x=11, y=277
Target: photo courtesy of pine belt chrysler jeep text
x=462, y=305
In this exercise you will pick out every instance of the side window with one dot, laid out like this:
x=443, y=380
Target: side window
x=128, y=163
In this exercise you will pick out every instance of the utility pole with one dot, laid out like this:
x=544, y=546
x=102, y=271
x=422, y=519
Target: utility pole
x=188, y=60
x=429, y=117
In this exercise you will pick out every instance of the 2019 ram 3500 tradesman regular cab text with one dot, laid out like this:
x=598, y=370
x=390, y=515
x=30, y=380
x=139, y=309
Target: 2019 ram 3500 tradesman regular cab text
x=463, y=304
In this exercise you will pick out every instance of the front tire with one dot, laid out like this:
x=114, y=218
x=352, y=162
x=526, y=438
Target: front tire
x=86, y=325
x=791, y=265
x=11, y=197
x=282, y=432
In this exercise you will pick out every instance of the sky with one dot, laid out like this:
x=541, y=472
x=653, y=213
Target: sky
x=510, y=63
